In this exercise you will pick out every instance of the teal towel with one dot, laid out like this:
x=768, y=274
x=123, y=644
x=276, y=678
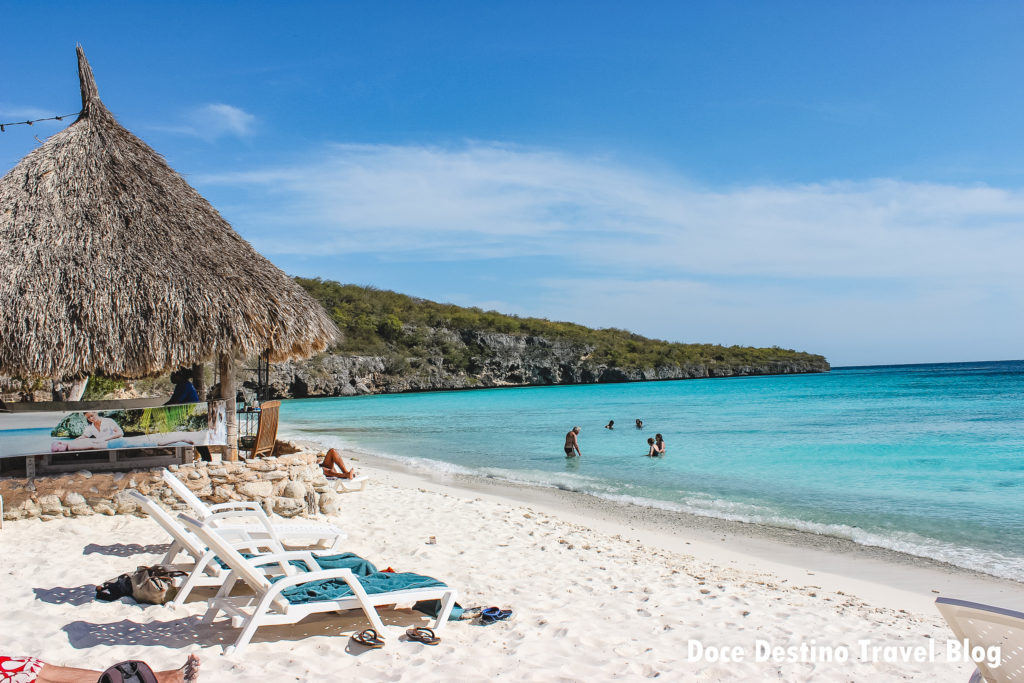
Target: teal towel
x=358, y=565
x=334, y=589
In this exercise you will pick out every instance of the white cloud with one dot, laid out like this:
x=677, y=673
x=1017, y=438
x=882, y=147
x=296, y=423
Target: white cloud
x=213, y=121
x=831, y=263
x=489, y=200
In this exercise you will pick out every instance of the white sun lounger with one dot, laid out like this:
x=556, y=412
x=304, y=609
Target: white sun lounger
x=326, y=535
x=347, y=485
x=203, y=570
x=268, y=606
x=988, y=627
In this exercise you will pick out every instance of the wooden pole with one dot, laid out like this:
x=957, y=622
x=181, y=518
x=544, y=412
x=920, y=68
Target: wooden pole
x=227, y=393
x=199, y=380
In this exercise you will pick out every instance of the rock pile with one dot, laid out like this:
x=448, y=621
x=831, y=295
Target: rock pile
x=289, y=485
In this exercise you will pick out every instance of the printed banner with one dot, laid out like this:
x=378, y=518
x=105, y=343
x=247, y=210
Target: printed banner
x=189, y=424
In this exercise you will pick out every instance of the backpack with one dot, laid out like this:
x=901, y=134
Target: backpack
x=128, y=672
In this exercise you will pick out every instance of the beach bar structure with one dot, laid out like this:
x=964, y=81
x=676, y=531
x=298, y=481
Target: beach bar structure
x=112, y=264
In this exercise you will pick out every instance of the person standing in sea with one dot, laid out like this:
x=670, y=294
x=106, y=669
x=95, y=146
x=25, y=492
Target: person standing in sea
x=572, y=443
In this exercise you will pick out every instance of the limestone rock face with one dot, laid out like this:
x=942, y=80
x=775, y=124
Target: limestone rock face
x=124, y=504
x=494, y=360
x=255, y=489
x=288, y=486
x=50, y=505
x=330, y=503
x=294, y=489
x=289, y=507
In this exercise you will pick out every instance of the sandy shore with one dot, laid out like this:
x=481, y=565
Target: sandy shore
x=599, y=592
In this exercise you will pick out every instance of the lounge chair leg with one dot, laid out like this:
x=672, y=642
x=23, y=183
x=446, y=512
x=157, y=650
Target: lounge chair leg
x=172, y=552
x=447, y=602
x=244, y=637
x=211, y=613
x=374, y=618
x=184, y=591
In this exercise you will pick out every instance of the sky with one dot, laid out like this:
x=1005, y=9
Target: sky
x=839, y=178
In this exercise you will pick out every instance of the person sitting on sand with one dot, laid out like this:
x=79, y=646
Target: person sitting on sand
x=333, y=459
x=610, y=425
x=32, y=670
x=572, y=443
x=660, y=443
x=652, y=449
x=639, y=423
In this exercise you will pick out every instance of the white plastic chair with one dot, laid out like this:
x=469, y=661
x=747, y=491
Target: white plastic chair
x=203, y=570
x=988, y=627
x=326, y=535
x=349, y=485
x=267, y=606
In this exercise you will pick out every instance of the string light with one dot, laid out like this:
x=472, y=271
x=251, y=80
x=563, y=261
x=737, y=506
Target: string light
x=3, y=126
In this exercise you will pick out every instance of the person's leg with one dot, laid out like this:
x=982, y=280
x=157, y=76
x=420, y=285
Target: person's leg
x=50, y=673
x=334, y=458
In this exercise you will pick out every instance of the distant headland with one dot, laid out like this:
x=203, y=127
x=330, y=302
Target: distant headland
x=395, y=343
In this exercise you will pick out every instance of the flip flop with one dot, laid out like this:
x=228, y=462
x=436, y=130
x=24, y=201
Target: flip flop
x=423, y=635
x=368, y=638
x=492, y=614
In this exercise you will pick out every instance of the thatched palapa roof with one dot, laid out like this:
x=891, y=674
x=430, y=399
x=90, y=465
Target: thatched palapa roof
x=111, y=263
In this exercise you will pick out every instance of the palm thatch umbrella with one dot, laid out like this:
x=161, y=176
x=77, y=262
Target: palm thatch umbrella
x=110, y=263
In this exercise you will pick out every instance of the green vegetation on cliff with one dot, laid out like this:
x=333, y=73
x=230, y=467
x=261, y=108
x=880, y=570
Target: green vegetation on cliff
x=385, y=323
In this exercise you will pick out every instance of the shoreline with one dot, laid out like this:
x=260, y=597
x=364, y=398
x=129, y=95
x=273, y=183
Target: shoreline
x=881, y=574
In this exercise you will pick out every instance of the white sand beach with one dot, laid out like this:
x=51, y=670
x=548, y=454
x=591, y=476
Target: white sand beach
x=593, y=598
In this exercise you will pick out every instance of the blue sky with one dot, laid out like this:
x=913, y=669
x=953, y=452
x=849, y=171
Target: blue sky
x=842, y=178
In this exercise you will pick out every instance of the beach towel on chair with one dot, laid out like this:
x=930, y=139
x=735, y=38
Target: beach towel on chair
x=358, y=565
x=334, y=589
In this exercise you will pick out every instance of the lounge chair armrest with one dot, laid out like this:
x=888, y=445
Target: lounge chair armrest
x=273, y=558
x=238, y=505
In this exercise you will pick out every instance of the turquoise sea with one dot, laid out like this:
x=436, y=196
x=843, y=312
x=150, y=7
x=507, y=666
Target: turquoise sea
x=923, y=459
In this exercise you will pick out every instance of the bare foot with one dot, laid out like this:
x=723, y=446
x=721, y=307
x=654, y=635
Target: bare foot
x=191, y=669
x=189, y=673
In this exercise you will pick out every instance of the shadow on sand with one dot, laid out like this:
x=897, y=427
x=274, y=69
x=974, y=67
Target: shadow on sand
x=59, y=595
x=125, y=549
x=190, y=631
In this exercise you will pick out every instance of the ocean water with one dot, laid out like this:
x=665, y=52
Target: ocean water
x=923, y=459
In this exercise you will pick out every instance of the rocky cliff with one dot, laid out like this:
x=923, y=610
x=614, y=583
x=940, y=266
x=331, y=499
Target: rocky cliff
x=492, y=360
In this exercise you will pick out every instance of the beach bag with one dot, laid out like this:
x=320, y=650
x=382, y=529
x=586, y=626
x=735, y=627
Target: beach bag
x=128, y=672
x=154, y=584
x=115, y=588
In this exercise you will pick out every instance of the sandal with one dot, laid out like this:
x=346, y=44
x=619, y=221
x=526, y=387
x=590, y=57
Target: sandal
x=489, y=615
x=423, y=635
x=368, y=638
